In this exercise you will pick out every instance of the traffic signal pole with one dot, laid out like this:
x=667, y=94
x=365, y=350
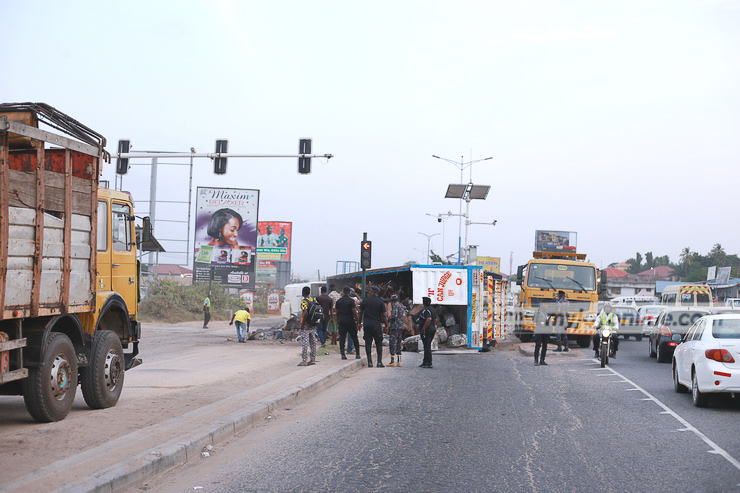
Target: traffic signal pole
x=364, y=270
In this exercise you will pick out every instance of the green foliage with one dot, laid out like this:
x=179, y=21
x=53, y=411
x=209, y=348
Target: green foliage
x=435, y=257
x=691, y=267
x=169, y=301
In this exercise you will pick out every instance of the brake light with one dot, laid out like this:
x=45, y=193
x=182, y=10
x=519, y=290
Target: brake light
x=665, y=331
x=721, y=355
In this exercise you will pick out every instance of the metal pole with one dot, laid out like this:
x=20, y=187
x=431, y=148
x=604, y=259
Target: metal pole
x=190, y=195
x=459, y=223
x=467, y=223
x=364, y=270
x=153, y=209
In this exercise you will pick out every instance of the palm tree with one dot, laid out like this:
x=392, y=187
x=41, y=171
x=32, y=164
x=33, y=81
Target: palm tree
x=686, y=256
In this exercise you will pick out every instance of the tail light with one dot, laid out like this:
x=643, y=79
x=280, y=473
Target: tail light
x=721, y=355
x=665, y=331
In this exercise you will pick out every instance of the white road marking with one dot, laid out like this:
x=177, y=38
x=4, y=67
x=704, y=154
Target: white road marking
x=716, y=449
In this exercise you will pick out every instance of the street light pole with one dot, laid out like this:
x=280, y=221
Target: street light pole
x=462, y=165
x=429, y=242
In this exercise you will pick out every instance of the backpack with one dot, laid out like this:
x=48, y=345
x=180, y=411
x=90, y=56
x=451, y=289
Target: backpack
x=315, y=314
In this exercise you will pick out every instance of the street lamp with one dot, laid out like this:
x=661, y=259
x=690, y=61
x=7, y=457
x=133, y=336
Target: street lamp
x=462, y=165
x=429, y=242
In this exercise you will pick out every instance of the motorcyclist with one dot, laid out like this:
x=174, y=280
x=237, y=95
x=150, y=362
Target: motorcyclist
x=606, y=319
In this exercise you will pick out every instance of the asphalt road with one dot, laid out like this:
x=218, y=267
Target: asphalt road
x=486, y=422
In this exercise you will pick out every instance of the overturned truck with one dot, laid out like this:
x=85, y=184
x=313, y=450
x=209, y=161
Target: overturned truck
x=458, y=293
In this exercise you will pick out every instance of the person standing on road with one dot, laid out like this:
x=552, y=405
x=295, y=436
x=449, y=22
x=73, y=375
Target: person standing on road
x=333, y=325
x=606, y=319
x=326, y=305
x=561, y=323
x=242, y=318
x=398, y=312
x=541, y=336
x=308, y=331
x=348, y=321
x=350, y=348
x=206, y=310
x=372, y=314
x=427, y=322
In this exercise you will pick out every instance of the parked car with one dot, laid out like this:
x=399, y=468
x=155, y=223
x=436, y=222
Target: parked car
x=648, y=314
x=628, y=322
x=732, y=302
x=672, y=320
x=708, y=359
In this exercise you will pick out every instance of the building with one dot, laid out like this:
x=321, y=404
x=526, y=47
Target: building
x=621, y=283
x=722, y=291
x=177, y=273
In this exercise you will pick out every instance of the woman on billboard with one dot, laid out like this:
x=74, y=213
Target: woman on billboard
x=223, y=228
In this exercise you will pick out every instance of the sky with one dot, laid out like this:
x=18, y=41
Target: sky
x=618, y=120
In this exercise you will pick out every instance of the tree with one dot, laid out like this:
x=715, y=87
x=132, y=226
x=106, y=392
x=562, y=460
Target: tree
x=635, y=264
x=649, y=260
x=718, y=255
x=436, y=258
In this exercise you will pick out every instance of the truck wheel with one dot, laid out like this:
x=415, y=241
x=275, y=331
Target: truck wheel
x=49, y=390
x=525, y=336
x=584, y=341
x=102, y=381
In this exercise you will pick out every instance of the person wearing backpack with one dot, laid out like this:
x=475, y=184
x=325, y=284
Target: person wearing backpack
x=311, y=316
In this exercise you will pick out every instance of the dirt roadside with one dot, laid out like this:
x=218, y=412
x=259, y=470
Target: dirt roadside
x=190, y=376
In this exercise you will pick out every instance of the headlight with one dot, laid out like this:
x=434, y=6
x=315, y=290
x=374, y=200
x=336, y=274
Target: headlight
x=589, y=316
x=606, y=333
x=528, y=313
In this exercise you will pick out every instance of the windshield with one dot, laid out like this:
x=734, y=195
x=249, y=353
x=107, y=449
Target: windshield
x=625, y=312
x=726, y=328
x=652, y=310
x=559, y=276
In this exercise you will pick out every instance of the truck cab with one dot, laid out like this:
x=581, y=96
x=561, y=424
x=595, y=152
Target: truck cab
x=541, y=279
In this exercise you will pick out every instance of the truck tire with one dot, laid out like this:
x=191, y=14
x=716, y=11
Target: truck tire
x=584, y=341
x=102, y=380
x=49, y=390
x=525, y=336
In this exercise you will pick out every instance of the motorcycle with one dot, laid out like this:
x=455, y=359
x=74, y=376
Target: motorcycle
x=607, y=348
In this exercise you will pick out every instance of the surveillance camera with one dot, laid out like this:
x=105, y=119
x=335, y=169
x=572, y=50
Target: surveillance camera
x=439, y=219
x=494, y=223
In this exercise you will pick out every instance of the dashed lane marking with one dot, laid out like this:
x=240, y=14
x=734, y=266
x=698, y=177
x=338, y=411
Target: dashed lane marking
x=715, y=449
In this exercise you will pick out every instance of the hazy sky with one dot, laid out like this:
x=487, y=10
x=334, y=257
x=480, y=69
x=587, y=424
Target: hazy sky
x=616, y=119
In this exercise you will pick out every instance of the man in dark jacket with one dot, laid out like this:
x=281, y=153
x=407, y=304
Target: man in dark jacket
x=427, y=328
x=372, y=313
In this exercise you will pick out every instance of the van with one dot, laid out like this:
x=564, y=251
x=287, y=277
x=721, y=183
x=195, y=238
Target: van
x=634, y=300
x=687, y=295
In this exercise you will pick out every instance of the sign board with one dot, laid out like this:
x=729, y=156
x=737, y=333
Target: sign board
x=490, y=264
x=248, y=298
x=712, y=273
x=723, y=275
x=274, y=240
x=548, y=241
x=444, y=286
x=273, y=302
x=226, y=236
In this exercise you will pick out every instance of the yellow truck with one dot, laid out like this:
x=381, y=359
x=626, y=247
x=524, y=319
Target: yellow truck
x=69, y=274
x=549, y=272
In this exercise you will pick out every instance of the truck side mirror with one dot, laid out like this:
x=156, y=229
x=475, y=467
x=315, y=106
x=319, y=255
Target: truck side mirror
x=519, y=275
x=146, y=229
x=602, y=281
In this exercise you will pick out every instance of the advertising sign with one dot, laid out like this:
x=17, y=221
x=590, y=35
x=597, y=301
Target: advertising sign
x=273, y=240
x=490, y=264
x=444, y=286
x=723, y=275
x=248, y=298
x=548, y=241
x=273, y=302
x=226, y=236
x=712, y=273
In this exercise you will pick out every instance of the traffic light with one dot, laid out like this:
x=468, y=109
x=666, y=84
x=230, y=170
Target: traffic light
x=122, y=163
x=366, y=252
x=219, y=164
x=304, y=163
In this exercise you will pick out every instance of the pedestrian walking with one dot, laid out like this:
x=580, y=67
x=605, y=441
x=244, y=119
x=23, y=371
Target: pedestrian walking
x=242, y=319
x=372, y=314
x=427, y=322
x=308, y=328
x=357, y=300
x=561, y=323
x=206, y=310
x=346, y=313
x=333, y=324
x=326, y=305
x=398, y=312
x=542, y=331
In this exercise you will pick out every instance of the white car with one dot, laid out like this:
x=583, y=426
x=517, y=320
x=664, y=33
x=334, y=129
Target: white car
x=708, y=359
x=647, y=316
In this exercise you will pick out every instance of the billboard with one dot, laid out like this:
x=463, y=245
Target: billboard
x=274, y=240
x=443, y=286
x=490, y=264
x=226, y=236
x=548, y=241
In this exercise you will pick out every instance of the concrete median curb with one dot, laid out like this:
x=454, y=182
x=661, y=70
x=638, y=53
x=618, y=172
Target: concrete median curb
x=186, y=448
